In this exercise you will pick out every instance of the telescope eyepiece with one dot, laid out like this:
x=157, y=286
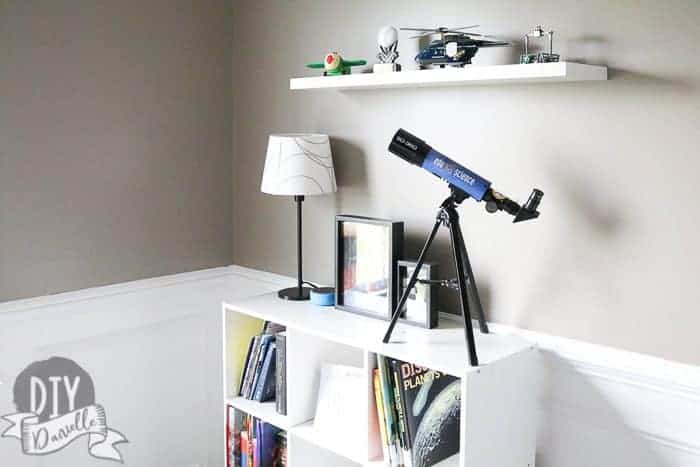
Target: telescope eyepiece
x=534, y=200
x=529, y=209
x=409, y=147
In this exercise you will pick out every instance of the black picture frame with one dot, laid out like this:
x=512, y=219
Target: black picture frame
x=425, y=313
x=392, y=250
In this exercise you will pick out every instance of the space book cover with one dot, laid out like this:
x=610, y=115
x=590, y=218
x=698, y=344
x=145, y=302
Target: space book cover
x=432, y=402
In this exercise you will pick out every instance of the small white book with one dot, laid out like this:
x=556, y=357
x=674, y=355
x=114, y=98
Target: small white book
x=341, y=411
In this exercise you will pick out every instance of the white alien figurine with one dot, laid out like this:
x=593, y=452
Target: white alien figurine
x=388, y=42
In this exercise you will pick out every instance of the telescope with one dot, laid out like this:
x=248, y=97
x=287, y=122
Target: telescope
x=463, y=184
x=416, y=151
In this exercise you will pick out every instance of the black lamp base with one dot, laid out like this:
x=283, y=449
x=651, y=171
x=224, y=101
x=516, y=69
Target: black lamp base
x=294, y=294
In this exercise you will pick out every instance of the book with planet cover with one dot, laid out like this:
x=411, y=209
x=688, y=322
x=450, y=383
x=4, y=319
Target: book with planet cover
x=431, y=401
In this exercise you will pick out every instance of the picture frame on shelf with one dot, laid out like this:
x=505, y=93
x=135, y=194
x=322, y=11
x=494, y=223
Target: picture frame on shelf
x=367, y=251
x=421, y=307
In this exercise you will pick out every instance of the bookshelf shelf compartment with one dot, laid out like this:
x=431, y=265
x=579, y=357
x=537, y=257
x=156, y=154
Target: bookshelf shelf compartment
x=352, y=453
x=497, y=398
x=265, y=411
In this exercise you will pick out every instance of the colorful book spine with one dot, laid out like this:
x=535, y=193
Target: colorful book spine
x=244, y=449
x=265, y=340
x=380, y=416
x=245, y=365
x=249, y=373
x=389, y=412
x=281, y=374
x=401, y=413
x=265, y=389
x=258, y=442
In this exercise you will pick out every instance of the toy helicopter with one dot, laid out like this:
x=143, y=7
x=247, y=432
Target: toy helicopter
x=335, y=65
x=455, y=46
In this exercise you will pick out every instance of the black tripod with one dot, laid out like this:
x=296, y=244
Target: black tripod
x=468, y=294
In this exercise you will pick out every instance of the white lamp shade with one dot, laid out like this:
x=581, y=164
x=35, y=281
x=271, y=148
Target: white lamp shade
x=298, y=164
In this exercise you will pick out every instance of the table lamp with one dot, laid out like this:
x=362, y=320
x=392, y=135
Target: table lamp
x=298, y=165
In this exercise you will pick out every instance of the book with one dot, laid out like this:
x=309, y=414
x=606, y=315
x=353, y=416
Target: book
x=381, y=421
x=230, y=436
x=270, y=327
x=431, y=402
x=389, y=412
x=401, y=417
x=281, y=374
x=341, y=406
x=265, y=389
x=267, y=444
x=245, y=365
x=244, y=449
x=265, y=340
x=249, y=366
x=254, y=452
x=258, y=443
x=280, y=457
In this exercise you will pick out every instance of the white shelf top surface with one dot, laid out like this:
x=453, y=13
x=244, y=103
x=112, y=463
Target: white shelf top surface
x=441, y=349
x=470, y=74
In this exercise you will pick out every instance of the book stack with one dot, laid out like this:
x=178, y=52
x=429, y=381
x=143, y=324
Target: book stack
x=418, y=411
x=260, y=445
x=258, y=380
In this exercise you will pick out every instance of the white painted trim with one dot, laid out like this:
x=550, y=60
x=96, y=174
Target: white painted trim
x=47, y=301
x=644, y=369
x=659, y=399
x=596, y=358
x=114, y=289
x=621, y=365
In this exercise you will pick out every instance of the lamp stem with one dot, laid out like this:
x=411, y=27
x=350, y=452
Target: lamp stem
x=299, y=199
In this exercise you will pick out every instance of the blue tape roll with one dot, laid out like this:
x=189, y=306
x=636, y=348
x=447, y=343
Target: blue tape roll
x=323, y=296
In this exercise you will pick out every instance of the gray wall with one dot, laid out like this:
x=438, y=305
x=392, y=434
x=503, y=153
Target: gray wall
x=614, y=258
x=115, y=141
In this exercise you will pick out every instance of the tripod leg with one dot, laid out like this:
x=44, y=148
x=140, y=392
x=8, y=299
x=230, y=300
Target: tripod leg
x=411, y=281
x=473, y=291
x=461, y=281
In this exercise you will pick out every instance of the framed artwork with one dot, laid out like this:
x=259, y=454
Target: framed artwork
x=367, y=251
x=421, y=308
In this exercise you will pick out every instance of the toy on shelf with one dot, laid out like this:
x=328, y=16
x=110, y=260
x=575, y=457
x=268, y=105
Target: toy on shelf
x=540, y=57
x=388, y=42
x=335, y=65
x=455, y=47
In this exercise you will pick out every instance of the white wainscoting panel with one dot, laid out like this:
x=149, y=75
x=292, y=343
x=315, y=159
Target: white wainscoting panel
x=153, y=349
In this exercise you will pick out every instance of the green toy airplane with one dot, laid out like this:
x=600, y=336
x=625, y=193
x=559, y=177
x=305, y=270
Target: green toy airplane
x=335, y=65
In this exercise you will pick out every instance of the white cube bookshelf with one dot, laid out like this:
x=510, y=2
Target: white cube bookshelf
x=497, y=420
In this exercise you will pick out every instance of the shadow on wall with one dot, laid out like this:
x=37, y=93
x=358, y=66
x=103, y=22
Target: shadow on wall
x=350, y=164
x=579, y=427
x=441, y=253
x=592, y=216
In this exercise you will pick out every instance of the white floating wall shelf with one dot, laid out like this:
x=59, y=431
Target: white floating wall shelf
x=473, y=74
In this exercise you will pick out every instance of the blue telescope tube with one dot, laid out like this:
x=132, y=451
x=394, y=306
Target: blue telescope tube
x=455, y=174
